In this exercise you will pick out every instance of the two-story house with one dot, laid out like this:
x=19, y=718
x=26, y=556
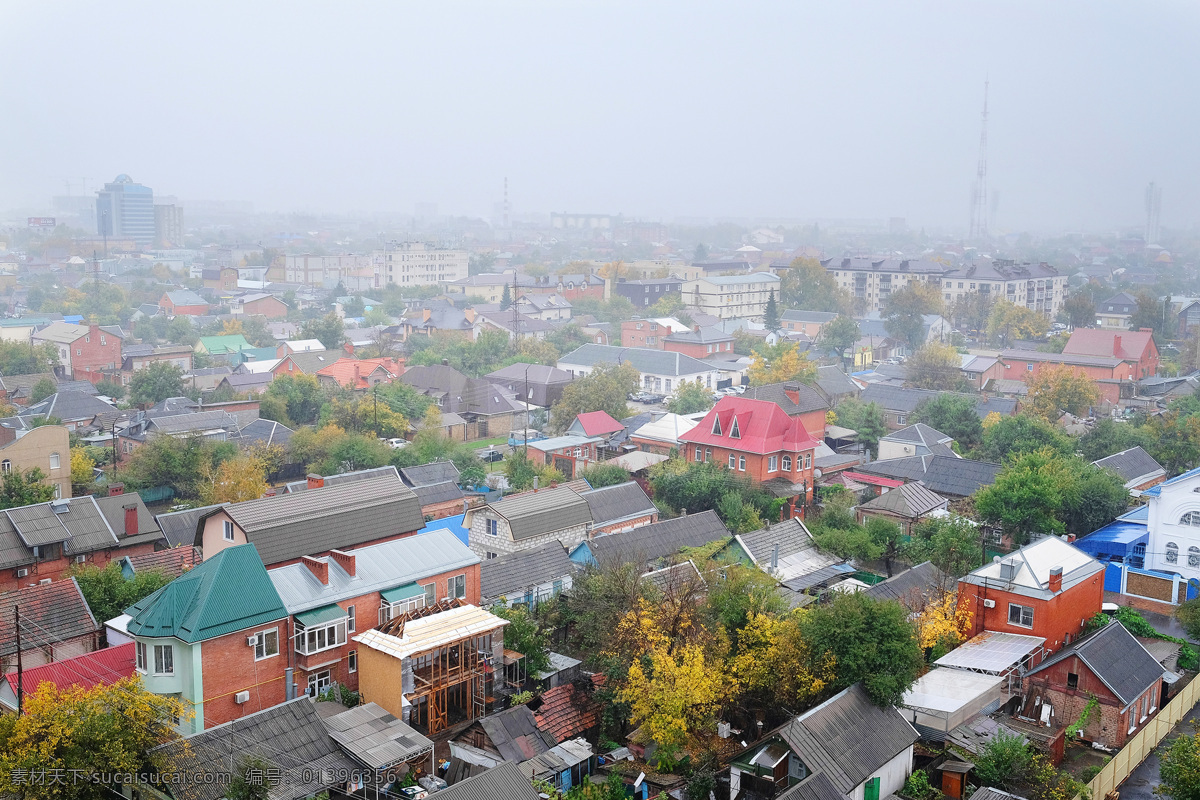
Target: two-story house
x=216, y=637
x=56, y=624
x=757, y=440
x=797, y=400
x=528, y=520
x=46, y=447
x=1047, y=590
x=1137, y=345
x=331, y=597
x=699, y=342
x=86, y=352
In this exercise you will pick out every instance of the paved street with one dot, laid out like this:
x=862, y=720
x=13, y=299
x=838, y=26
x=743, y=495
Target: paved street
x=1140, y=785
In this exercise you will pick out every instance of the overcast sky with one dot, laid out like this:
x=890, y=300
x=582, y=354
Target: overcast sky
x=664, y=110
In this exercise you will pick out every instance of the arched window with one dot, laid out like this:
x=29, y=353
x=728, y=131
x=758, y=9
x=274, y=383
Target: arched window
x=1172, y=553
x=787, y=463
x=1194, y=556
x=1190, y=518
x=5, y=466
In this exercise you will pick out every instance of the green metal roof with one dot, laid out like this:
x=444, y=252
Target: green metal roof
x=226, y=593
x=318, y=616
x=401, y=592
x=230, y=343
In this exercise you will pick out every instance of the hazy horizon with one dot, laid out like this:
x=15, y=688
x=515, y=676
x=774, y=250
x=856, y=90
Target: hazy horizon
x=862, y=110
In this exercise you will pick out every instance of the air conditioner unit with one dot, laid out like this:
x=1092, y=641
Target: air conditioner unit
x=252, y=641
x=241, y=697
x=21, y=573
x=43, y=581
x=989, y=603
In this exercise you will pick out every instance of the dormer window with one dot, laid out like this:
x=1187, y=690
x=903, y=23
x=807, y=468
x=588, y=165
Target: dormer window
x=734, y=433
x=716, y=429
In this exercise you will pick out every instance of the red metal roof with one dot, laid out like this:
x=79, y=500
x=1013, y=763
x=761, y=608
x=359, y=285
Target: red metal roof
x=101, y=668
x=1113, y=344
x=760, y=427
x=890, y=483
x=353, y=373
x=598, y=423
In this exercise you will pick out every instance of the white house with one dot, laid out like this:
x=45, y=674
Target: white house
x=1173, y=526
x=661, y=370
x=728, y=296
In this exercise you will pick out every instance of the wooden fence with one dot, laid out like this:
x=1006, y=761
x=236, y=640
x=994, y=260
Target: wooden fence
x=1136, y=749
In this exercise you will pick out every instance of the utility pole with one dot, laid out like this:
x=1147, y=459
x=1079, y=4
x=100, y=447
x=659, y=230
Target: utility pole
x=375, y=391
x=20, y=665
x=516, y=315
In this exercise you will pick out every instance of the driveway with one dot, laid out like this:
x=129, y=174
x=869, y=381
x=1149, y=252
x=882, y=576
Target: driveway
x=1141, y=783
x=1163, y=623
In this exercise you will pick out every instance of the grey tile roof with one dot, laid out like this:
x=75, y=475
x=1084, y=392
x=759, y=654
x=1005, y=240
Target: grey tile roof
x=56, y=610
x=1115, y=657
x=514, y=734
x=807, y=398
x=264, y=431
x=790, y=536
x=1131, y=464
x=990, y=793
x=243, y=380
x=289, y=736
x=77, y=386
x=292, y=525
x=910, y=500
x=621, y=501
x=429, y=474
x=544, y=511
x=919, y=433
x=513, y=573
x=505, y=782
x=194, y=423
x=656, y=362
x=848, y=737
x=650, y=543
x=914, y=587
x=348, y=477
x=68, y=406
x=796, y=315
x=375, y=737
x=834, y=382
x=945, y=475
x=179, y=527
x=19, y=385
x=816, y=786
x=113, y=509
x=537, y=374
x=703, y=336
x=438, y=493
x=897, y=398
x=309, y=362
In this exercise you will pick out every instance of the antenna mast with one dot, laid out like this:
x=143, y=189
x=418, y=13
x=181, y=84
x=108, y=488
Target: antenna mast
x=979, y=198
x=506, y=207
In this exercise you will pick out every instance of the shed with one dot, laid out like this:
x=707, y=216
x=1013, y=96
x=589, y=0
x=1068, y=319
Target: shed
x=942, y=699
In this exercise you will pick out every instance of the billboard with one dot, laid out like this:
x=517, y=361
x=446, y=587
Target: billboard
x=41, y=222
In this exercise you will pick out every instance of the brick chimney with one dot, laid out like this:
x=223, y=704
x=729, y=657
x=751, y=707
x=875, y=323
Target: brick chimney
x=357, y=374
x=344, y=560
x=696, y=328
x=318, y=568
x=1116, y=344
x=131, y=520
x=1055, y=584
x=469, y=315
x=425, y=314
x=315, y=481
x=115, y=489
x=7, y=435
x=792, y=394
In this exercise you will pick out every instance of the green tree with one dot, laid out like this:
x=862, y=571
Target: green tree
x=936, y=366
x=354, y=307
x=1023, y=433
x=953, y=415
x=808, y=286
x=1107, y=437
x=839, y=334
x=1080, y=310
x=690, y=398
x=971, y=311
x=524, y=635
x=869, y=640
x=771, y=313
x=1175, y=439
x=700, y=254
x=249, y=781
x=109, y=388
x=328, y=330
x=605, y=388
x=705, y=486
x=952, y=544
x=741, y=593
x=601, y=475
x=1155, y=315
x=506, y=299
x=41, y=390
x=1027, y=496
x=1008, y=322
x=155, y=383
x=1003, y=761
x=107, y=591
x=24, y=488
x=181, y=331
x=353, y=452
x=905, y=309
x=301, y=397
x=19, y=358
x=888, y=537
x=867, y=419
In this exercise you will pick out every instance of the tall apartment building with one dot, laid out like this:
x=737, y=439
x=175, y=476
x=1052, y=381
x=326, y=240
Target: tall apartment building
x=419, y=264
x=328, y=270
x=872, y=280
x=125, y=210
x=168, y=225
x=729, y=296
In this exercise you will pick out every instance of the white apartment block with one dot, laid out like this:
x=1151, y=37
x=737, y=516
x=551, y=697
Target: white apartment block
x=871, y=281
x=419, y=264
x=313, y=270
x=730, y=296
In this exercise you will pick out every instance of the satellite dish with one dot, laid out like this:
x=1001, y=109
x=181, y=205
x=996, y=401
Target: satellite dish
x=817, y=473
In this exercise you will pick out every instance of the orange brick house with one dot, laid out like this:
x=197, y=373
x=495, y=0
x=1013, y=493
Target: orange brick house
x=1109, y=372
x=1136, y=345
x=360, y=374
x=757, y=440
x=699, y=342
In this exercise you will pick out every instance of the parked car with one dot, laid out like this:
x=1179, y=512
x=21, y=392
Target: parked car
x=650, y=397
x=395, y=444
x=490, y=455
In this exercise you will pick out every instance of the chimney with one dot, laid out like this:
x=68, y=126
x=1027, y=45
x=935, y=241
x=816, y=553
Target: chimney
x=315, y=481
x=683, y=512
x=318, y=568
x=357, y=376
x=469, y=315
x=1116, y=344
x=7, y=435
x=792, y=394
x=535, y=483
x=445, y=362
x=115, y=489
x=344, y=560
x=775, y=557
x=1055, y=584
x=425, y=314
x=553, y=484
x=131, y=520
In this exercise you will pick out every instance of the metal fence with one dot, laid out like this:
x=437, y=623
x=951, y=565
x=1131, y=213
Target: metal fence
x=1136, y=749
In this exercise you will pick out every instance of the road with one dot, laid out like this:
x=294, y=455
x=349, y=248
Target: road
x=1140, y=785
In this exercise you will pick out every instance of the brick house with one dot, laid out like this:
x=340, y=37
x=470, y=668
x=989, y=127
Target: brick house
x=1047, y=589
x=259, y=304
x=1109, y=372
x=699, y=342
x=43, y=541
x=183, y=302
x=758, y=441
x=488, y=409
x=360, y=374
x=215, y=637
x=570, y=454
x=56, y=624
x=1108, y=664
x=649, y=333
x=332, y=597
x=85, y=352
x=797, y=400
x=528, y=520
x=1136, y=345
x=287, y=527
x=437, y=488
x=808, y=323
x=139, y=356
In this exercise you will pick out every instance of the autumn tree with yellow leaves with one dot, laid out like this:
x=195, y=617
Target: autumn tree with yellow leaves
x=944, y=623
x=233, y=480
x=781, y=362
x=1058, y=387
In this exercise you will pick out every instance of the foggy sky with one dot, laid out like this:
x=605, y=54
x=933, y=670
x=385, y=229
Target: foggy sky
x=783, y=109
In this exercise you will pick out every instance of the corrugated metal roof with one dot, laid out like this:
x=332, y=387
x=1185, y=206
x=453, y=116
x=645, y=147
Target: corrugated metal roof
x=620, y=501
x=910, y=500
x=914, y=587
x=317, y=616
x=505, y=782
x=436, y=630
x=375, y=737
x=179, y=527
x=649, y=543
x=57, y=609
x=816, y=786
x=38, y=525
x=513, y=573
x=545, y=511
x=515, y=735
x=100, y=668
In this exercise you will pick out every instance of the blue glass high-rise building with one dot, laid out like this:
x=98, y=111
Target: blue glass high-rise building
x=125, y=210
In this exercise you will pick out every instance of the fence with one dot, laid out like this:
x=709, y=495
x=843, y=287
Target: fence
x=1136, y=749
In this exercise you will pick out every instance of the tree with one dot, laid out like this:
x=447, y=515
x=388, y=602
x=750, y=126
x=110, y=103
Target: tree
x=1175, y=440
x=781, y=362
x=771, y=314
x=952, y=544
x=1080, y=310
x=943, y=624
x=1009, y=321
x=328, y=330
x=24, y=488
x=1023, y=433
x=354, y=307
x=521, y=472
x=866, y=419
x=839, y=334
x=740, y=595
x=174, y=462
x=249, y=781
x=366, y=413
x=936, y=366
x=1058, y=387
x=1155, y=315
x=703, y=486
x=1026, y=497
x=600, y=475
x=605, y=388
x=887, y=536
x=41, y=390
x=1108, y=436
x=155, y=383
x=691, y=397
x=19, y=358
x=905, y=309
x=353, y=452
x=872, y=641
x=970, y=311
x=233, y=480
x=102, y=730
x=1003, y=761
x=301, y=396
x=107, y=591
x=700, y=254
x=808, y=286
x=524, y=635
x=953, y=415
x=110, y=388
x=773, y=664
x=506, y=299
x=82, y=471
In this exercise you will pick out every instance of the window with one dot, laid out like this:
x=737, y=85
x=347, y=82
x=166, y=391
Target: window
x=1072, y=680
x=164, y=659
x=318, y=682
x=430, y=593
x=315, y=639
x=772, y=463
x=901, y=419
x=456, y=586
x=1172, y=555
x=1020, y=615
x=699, y=453
x=55, y=461
x=227, y=530
x=5, y=466
x=732, y=461
x=141, y=656
x=558, y=587
x=352, y=661
x=266, y=644
x=1190, y=518
x=808, y=461
x=734, y=433
x=787, y=463
x=1029, y=367
x=493, y=527
x=716, y=431
x=490, y=555
x=350, y=619
x=708, y=454
x=741, y=463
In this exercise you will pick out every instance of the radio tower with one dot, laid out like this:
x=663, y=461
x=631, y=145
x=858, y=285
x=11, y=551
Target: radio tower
x=979, y=198
x=1153, y=212
x=506, y=203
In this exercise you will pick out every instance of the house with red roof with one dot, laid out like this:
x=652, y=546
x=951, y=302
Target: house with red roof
x=360, y=374
x=594, y=424
x=759, y=441
x=1126, y=345
x=100, y=668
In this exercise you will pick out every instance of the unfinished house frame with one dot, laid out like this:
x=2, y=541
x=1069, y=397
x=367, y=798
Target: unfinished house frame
x=434, y=666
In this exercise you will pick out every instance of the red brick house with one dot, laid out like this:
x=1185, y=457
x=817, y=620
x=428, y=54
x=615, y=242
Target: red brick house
x=260, y=304
x=649, y=333
x=1108, y=664
x=360, y=374
x=758, y=440
x=332, y=597
x=1136, y=345
x=699, y=342
x=86, y=352
x=56, y=624
x=1047, y=589
x=183, y=302
x=1109, y=372
x=797, y=400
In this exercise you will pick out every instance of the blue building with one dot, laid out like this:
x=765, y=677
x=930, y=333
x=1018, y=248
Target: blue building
x=125, y=210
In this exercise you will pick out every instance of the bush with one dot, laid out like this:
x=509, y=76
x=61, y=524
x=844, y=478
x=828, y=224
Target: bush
x=918, y=787
x=1004, y=761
